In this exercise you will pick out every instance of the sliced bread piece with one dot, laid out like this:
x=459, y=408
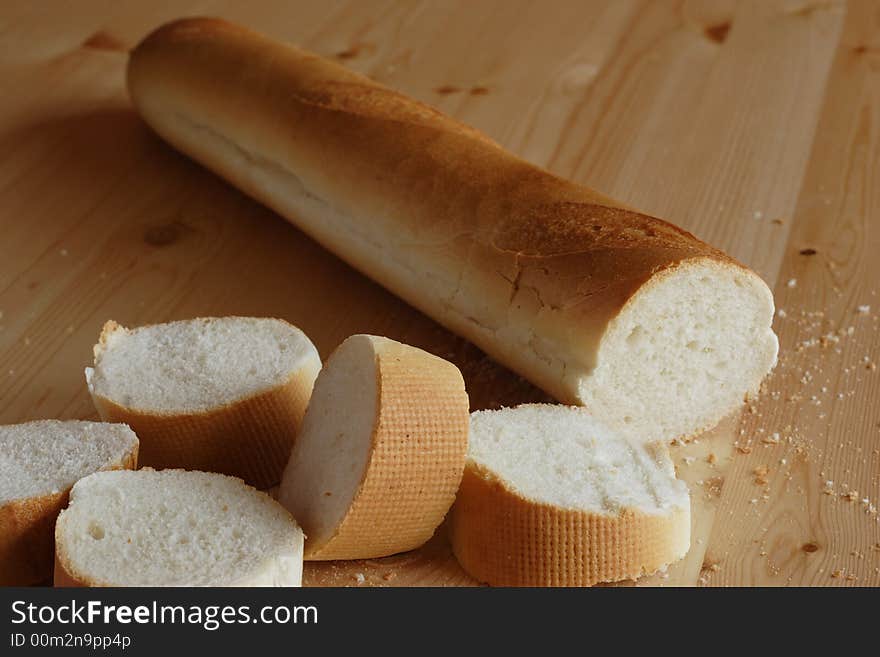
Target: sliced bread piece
x=174, y=528
x=215, y=394
x=550, y=497
x=381, y=451
x=39, y=462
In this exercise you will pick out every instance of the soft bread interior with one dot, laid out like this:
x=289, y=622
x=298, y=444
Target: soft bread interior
x=562, y=456
x=177, y=528
x=683, y=352
x=331, y=453
x=48, y=456
x=198, y=364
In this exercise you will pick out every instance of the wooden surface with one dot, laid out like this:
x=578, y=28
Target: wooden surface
x=755, y=125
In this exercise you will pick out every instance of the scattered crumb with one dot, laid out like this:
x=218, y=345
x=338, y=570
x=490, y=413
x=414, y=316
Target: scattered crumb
x=851, y=496
x=711, y=458
x=688, y=460
x=758, y=214
x=780, y=312
x=837, y=573
x=360, y=578
x=744, y=449
x=772, y=439
x=389, y=576
x=778, y=222
x=63, y=252
x=761, y=473
x=864, y=310
x=792, y=282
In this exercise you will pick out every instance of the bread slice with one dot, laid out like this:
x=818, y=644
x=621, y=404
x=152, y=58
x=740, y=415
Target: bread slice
x=174, y=528
x=381, y=452
x=659, y=333
x=39, y=462
x=550, y=497
x=214, y=394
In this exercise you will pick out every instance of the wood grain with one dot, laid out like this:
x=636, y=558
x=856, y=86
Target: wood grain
x=753, y=124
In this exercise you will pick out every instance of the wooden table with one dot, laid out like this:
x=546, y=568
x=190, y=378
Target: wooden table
x=756, y=125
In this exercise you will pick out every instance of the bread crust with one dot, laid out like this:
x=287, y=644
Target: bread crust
x=417, y=456
x=27, y=532
x=249, y=438
x=502, y=538
x=528, y=266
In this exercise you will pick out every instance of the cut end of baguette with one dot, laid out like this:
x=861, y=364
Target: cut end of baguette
x=195, y=365
x=175, y=528
x=683, y=353
x=381, y=451
x=47, y=457
x=550, y=497
x=564, y=457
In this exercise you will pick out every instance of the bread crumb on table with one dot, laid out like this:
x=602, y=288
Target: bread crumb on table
x=772, y=439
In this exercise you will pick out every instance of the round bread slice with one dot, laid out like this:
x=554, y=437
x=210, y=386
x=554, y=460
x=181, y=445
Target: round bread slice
x=381, y=452
x=214, y=394
x=174, y=528
x=550, y=497
x=39, y=462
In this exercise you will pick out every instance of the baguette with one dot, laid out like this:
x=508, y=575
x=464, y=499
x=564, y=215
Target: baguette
x=550, y=497
x=39, y=462
x=381, y=452
x=215, y=394
x=174, y=528
x=660, y=334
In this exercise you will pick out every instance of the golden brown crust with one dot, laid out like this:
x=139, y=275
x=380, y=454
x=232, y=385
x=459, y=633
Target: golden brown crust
x=250, y=438
x=503, y=539
x=416, y=460
x=26, y=542
x=27, y=533
x=514, y=245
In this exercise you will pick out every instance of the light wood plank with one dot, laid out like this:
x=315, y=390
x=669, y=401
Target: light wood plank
x=824, y=398
x=701, y=112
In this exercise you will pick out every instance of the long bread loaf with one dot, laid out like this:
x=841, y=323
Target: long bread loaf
x=659, y=333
